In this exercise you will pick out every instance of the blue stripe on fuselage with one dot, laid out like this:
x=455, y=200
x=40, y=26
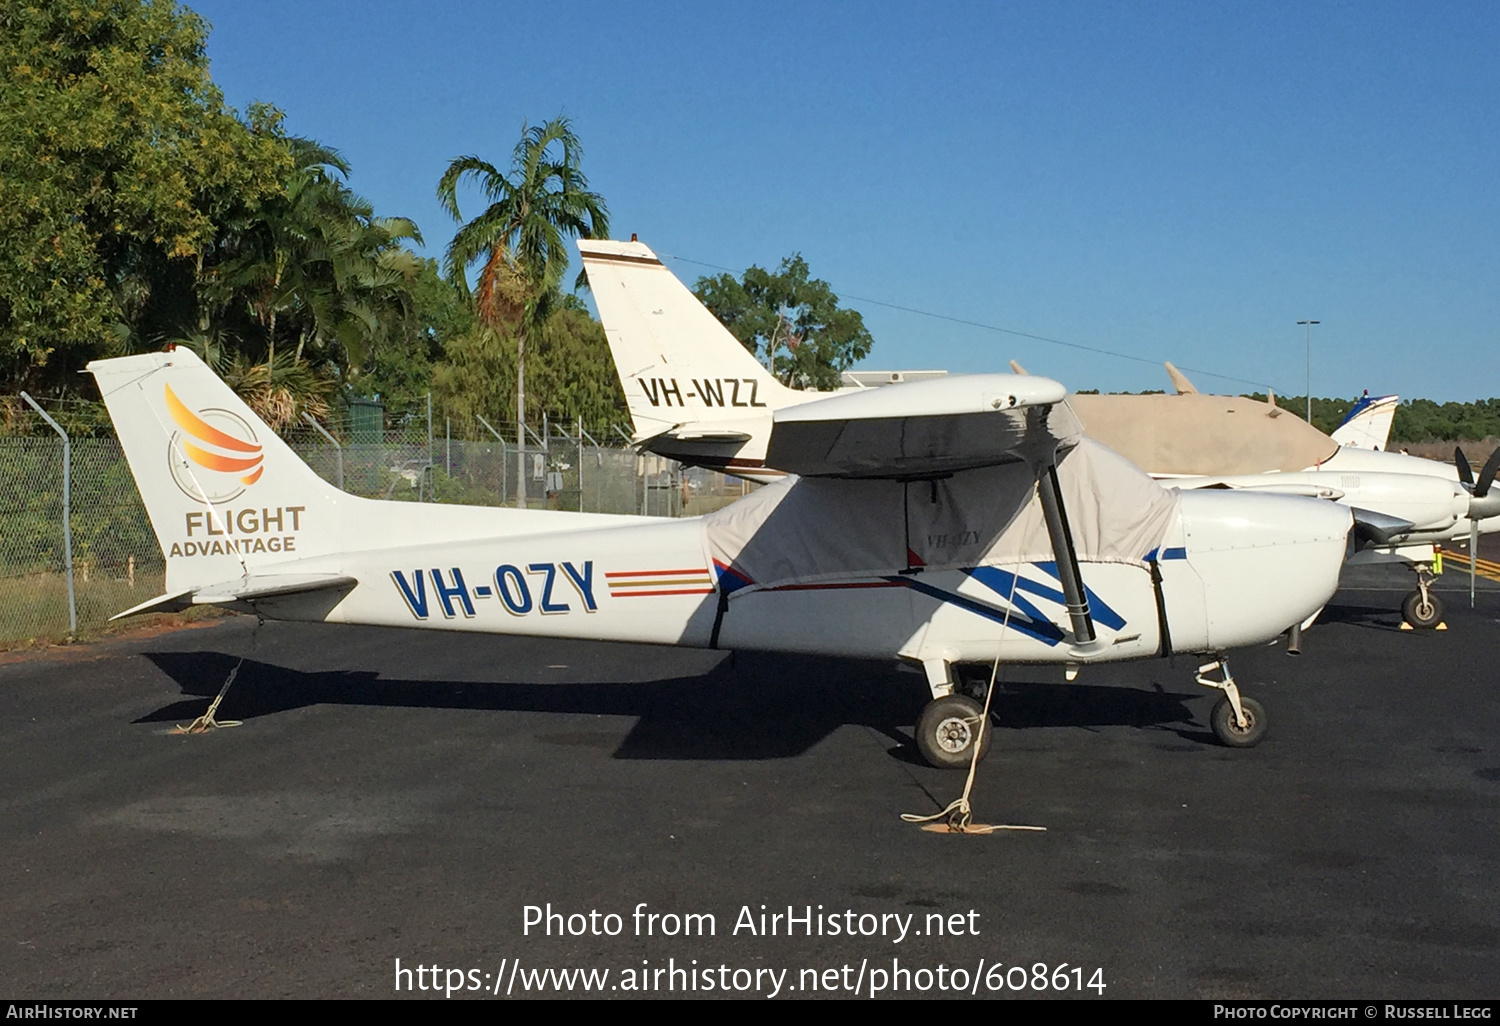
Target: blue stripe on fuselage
x=1031, y=621
x=1001, y=582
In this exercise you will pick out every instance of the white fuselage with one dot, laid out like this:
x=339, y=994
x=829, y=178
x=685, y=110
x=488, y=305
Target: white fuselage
x=955, y=567
x=1423, y=492
x=1235, y=569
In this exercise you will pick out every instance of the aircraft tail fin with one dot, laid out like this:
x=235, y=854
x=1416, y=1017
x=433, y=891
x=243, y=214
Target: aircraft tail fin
x=1368, y=423
x=1180, y=383
x=677, y=363
x=224, y=493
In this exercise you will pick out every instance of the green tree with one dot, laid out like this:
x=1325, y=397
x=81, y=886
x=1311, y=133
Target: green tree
x=576, y=372
x=519, y=240
x=1422, y=420
x=117, y=158
x=570, y=367
x=791, y=321
x=406, y=350
x=301, y=288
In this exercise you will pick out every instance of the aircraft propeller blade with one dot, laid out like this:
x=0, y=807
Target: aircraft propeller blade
x=1487, y=475
x=1465, y=474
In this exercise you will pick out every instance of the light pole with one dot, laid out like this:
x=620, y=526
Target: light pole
x=1309, y=325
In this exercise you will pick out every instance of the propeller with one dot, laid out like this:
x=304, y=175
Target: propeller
x=1487, y=475
x=1480, y=505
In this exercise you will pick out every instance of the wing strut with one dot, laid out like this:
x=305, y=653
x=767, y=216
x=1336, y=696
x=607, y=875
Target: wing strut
x=1066, y=555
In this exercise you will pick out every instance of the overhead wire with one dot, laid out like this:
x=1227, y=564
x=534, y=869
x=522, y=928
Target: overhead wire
x=1008, y=331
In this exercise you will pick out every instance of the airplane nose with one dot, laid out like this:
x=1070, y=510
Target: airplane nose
x=1219, y=520
x=1266, y=561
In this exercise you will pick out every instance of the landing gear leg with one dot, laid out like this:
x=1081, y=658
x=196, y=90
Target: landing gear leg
x=1237, y=721
x=1422, y=609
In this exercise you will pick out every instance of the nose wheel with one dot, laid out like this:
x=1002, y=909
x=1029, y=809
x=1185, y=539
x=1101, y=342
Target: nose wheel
x=1422, y=609
x=1237, y=721
x=1226, y=725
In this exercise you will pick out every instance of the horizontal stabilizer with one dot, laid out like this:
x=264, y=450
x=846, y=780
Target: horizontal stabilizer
x=243, y=589
x=260, y=586
x=168, y=603
x=924, y=428
x=706, y=434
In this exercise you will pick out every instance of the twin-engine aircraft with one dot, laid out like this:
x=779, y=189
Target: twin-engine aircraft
x=697, y=395
x=952, y=521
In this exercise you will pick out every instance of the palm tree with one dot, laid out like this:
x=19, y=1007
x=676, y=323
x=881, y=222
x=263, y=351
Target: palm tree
x=315, y=266
x=520, y=238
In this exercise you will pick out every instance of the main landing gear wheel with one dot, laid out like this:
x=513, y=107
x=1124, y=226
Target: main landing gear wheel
x=1422, y=611
x=1227, y=728
x=947, y=730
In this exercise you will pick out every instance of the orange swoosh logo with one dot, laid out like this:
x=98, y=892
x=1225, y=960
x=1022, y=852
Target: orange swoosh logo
x=205, y=432
x=199, y=429
x=213, y=461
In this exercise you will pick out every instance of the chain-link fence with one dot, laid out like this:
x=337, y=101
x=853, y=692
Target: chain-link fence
x=116, y=562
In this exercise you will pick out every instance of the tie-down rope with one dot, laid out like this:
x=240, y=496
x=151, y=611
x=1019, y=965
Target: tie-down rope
x=203, y=724
x=959, y=813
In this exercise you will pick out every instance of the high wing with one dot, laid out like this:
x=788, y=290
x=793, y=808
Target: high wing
x=925, y=428
x=936, y=428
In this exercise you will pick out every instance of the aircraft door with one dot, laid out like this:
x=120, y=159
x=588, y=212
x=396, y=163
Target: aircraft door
x=1182, y=599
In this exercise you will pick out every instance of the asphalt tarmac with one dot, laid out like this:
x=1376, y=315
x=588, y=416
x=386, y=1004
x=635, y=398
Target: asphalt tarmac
x=403, y=795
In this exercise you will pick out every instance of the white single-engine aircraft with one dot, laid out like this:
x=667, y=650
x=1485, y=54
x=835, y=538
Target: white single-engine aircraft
x=697, y=395
x=941, y=522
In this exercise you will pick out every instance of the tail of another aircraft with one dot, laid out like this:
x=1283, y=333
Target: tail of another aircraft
x=1368, y=425
x=678, y=365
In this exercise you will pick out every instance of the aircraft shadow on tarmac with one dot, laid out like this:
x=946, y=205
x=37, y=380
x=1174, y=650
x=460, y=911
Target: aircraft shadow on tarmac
x=1379, y=617
x=753, y=707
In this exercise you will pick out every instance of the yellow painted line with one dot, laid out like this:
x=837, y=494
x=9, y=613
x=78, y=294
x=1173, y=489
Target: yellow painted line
x=1463, y=559
x=1483, y=567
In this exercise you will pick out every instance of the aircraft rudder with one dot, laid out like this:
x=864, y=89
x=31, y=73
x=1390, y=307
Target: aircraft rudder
x=1368, y=423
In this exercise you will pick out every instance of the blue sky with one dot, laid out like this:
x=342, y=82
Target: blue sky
x=1172, y=181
